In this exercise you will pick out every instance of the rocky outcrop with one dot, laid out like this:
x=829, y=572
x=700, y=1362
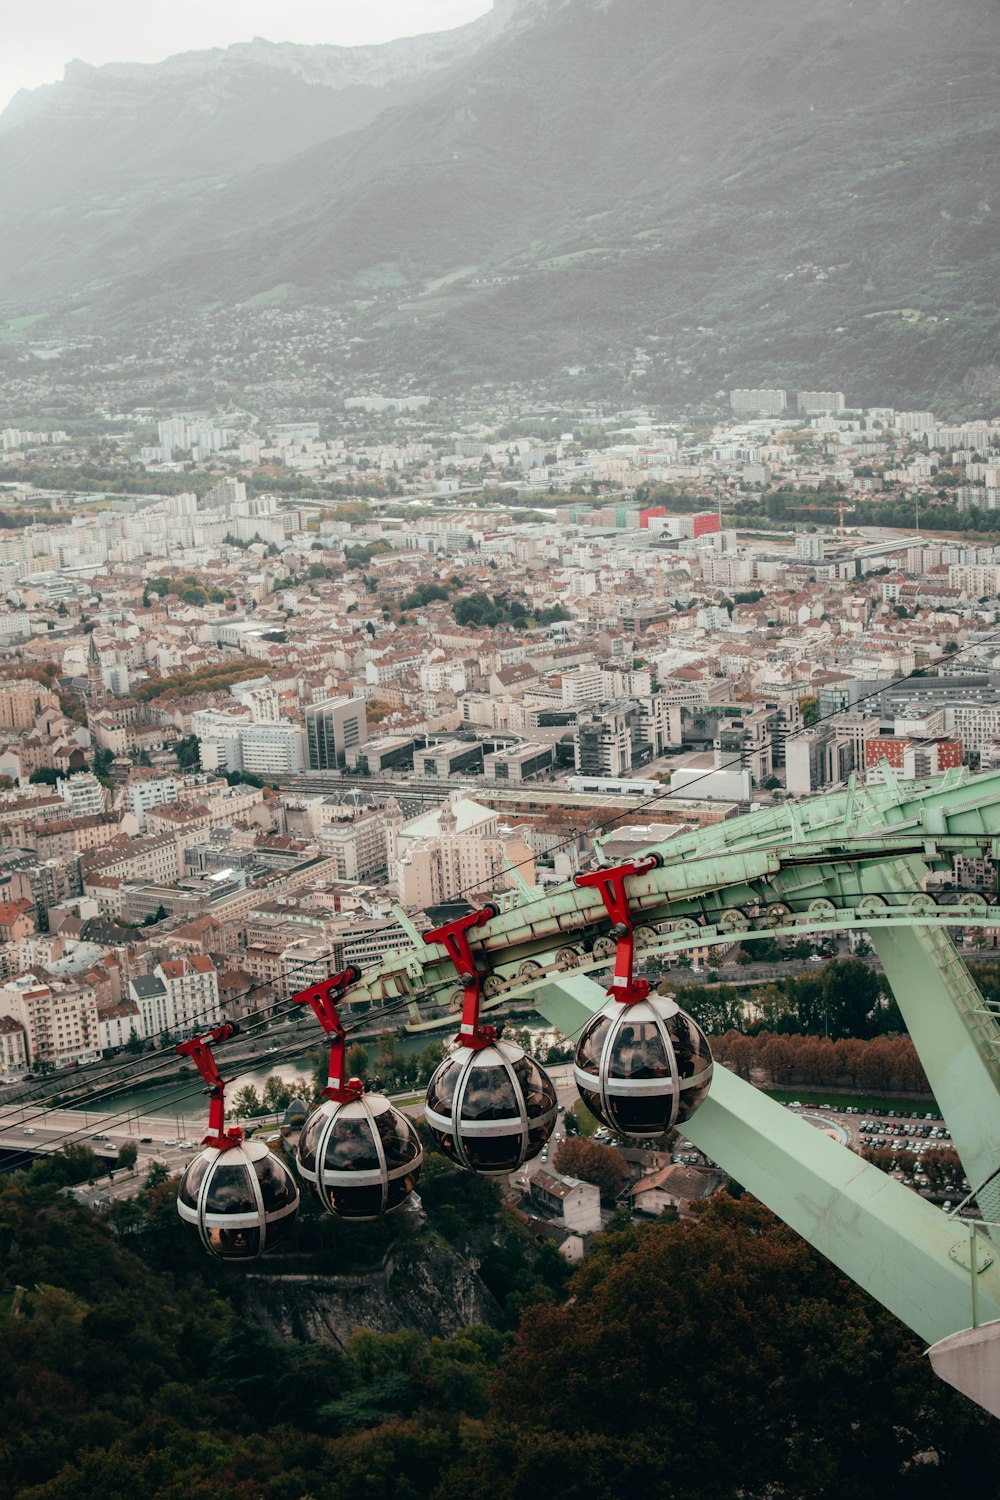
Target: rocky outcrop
x=430, y=1289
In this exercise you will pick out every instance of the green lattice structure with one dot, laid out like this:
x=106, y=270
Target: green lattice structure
x=860, y=858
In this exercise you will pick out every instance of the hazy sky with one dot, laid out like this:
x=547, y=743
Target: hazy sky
x=40, y=36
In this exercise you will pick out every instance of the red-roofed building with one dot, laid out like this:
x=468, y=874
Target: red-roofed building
x=17, y=920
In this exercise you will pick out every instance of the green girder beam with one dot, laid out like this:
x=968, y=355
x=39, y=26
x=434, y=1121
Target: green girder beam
x=885, y=1237
x=857, y=858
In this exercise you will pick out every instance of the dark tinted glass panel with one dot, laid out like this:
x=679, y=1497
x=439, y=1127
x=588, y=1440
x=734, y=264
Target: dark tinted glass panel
x=637, y=1052
x=351, y=1147
x=536, y=1086
x=235, y=1244
x=309, y=1140
x=356, y=1202
x=229, y=1191
x=277, y=1228
x=400, y=1189
x=591, y=1044
x=441, y=1089
x=489, y=1095
x=494, y=1153
x=645, y=1112
x=537, y=1136
x=445, y=1142
x=399, y=1139
x=690, y=1047
x=192, y=1181
x=276, y=1183
x=690, y=1099
x=593, y=1103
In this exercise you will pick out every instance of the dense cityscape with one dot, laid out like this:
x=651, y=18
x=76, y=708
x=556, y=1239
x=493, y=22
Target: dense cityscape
x=312, y=681
x=499, y=751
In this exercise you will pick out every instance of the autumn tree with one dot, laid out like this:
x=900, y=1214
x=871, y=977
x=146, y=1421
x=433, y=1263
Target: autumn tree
x=604, y=1166
x=276, y=1095
x=716, y=1359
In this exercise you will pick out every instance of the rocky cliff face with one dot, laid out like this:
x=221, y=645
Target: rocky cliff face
x=107, y=139
x=433, y=1291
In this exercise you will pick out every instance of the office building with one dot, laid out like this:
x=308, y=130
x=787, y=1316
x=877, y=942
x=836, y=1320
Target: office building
x=333, y=728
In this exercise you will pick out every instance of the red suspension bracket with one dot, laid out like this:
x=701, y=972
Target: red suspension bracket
x=453, y=937
x=323, y=997
x=200, y=1049
x=610, y=882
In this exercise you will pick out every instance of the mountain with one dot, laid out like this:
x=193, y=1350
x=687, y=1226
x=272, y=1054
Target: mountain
x=80, y=157
x=672, y=195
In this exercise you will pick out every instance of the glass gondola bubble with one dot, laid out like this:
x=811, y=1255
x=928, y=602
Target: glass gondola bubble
x=239, y=1200
x=642, y=1068
x=490, y=1107
x=235, y=1195
x=359, y=1155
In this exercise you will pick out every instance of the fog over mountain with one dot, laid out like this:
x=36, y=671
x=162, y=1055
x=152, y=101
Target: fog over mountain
x=782, y=190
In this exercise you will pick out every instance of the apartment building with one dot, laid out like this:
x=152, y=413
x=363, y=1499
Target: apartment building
x=355, y=840
x=59, y=1019
x=180, y=997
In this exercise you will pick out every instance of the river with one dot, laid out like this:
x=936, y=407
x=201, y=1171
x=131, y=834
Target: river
x=179, y=1097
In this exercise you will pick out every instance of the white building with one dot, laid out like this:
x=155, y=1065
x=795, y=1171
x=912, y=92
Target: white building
x=83, y=793
x=272, y=749
x=155, y=791
x=181, y=997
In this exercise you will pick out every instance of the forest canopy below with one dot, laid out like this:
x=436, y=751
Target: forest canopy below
x=705, y=1360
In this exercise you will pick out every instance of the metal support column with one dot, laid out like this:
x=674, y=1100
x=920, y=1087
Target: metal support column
x=958, y=1042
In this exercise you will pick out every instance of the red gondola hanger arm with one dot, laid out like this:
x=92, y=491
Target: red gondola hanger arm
x=322, y=999
x=454, y=938
x=610, y=883
x=199, y=1048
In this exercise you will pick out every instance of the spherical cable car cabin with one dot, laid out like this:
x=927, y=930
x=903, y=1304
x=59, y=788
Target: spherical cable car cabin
x=644, y=1067
x=236, y=1195
x=489, y=1106
x=360, y=1155
x=240, y=1199
x=642, y=1064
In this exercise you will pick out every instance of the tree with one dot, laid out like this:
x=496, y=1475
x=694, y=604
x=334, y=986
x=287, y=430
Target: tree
x=101, y=764
x=809, y=708
x=44, y=776
x=246, y=1102
x=357, y=1061
x=128, y=1153
x=604, y=1166
x=822, y=1386
x=277, y=1095
x=134, y=1043
x=386, y=1049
